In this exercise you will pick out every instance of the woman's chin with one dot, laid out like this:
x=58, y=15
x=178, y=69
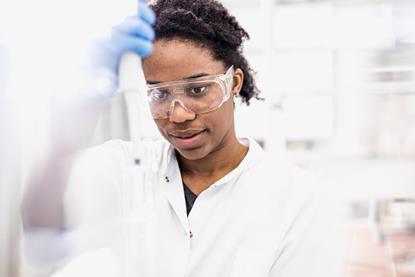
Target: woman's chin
x=192, y=154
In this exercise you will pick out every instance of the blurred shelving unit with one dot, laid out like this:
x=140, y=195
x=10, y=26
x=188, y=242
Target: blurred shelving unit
x=339, y=82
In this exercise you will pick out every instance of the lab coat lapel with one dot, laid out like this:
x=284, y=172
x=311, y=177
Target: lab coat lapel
x=172, y=187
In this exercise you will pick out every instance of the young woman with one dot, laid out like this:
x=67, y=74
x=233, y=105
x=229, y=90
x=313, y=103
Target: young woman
x=208, y=203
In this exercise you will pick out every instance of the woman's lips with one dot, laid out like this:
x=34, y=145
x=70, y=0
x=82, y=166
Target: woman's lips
x=188, y=140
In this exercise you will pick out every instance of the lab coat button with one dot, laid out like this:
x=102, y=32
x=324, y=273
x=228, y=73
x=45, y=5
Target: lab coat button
x=191, y=234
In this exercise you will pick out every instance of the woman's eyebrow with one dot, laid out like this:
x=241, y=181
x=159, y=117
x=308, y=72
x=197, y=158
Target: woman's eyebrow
x=151, y=82
x=197, y=76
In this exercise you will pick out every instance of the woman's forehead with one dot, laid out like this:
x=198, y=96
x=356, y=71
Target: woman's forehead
x=178, y=59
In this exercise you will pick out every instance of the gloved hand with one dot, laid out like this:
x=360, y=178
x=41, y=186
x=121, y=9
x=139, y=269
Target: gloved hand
x=134, y=34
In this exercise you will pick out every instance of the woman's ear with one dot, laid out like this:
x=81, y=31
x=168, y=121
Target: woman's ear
x=238, y=80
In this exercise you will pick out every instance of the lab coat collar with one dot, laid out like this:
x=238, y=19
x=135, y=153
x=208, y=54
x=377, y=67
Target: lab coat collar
x=255, y=152
x=173, y=187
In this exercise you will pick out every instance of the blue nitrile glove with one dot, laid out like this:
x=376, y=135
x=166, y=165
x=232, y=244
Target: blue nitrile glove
x=76, y=114
x=134, y=34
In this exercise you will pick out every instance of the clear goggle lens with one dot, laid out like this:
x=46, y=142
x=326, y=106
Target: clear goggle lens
x=200, y=95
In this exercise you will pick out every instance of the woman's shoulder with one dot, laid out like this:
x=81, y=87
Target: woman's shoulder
x=275, y=166
x=274, y=175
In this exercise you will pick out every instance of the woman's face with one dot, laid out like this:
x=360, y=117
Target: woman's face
x=194, y=136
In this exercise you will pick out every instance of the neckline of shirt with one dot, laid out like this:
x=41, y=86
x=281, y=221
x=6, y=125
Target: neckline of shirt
x=254, y=153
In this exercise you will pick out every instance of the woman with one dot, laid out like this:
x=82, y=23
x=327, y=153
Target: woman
x=208, y=203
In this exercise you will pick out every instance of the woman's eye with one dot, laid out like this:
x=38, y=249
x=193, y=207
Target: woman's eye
x=198, y=90
x=160, y=95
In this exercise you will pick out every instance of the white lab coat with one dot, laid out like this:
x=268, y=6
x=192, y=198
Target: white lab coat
x=259, y=220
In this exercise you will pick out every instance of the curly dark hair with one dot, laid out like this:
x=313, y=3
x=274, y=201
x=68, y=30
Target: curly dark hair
x=208, y=24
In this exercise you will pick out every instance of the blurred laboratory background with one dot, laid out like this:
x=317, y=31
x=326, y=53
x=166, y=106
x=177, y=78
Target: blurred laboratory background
x=338, y=78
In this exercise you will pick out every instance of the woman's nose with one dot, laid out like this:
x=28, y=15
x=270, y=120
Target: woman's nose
x=180, y=113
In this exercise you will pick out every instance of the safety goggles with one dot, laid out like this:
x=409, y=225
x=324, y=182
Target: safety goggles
x=196, y=95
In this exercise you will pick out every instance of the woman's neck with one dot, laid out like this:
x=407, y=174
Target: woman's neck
x=214, y=166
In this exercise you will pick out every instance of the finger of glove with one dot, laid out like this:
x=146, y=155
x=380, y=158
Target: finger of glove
x=146, y=13
x=124, y=43
x=137, y=27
